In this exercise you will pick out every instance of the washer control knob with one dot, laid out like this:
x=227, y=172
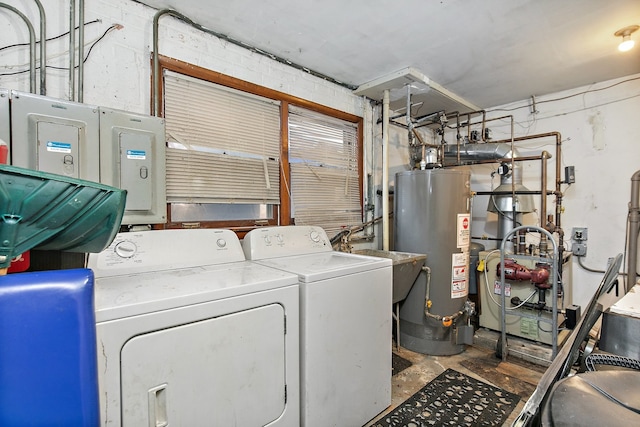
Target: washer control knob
x=280, y=238
x=126, y=249
x=267, y=240
x=315, y=236
x=221, y=243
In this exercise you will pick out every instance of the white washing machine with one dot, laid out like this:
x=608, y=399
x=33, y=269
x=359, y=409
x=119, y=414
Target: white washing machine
x=345, y=323
x=191, y=334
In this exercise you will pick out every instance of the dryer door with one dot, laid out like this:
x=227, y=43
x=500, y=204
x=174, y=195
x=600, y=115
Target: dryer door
x=223, y=371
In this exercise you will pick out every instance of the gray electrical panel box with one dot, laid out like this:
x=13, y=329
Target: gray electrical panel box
x=56, y=136
x=132, y=157
x=5, y=121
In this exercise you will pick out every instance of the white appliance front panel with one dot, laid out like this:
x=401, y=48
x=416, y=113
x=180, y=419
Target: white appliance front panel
x=274, y=242
x=118, y=297
x=224, y=371
x=326, y=265
x=162, y=250
x=114, y=335
x=345, y=349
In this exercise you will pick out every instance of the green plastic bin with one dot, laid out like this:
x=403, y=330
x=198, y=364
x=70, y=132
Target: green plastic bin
x=54, y=212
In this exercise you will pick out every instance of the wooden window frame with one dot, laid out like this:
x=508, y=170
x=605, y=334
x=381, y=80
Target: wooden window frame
x=282, y=212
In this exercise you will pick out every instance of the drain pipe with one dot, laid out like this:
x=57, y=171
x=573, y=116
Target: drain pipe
x=80, y=50
x=32, y=46
x=43, y=49
x=72, y=50
x=385, y=170
x=634, y=228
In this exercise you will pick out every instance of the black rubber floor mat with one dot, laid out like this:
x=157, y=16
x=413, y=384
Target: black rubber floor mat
x=453, y=399
x=398, y=364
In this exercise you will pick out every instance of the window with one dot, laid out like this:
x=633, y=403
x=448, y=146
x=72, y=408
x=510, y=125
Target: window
x=323, y=159
x=223, y=151
x=240, y=155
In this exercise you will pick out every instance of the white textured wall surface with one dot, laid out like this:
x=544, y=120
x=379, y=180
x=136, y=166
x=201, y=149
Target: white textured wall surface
x=118, y=71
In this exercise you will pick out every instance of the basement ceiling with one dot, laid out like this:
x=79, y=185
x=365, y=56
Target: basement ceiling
x=488, y=52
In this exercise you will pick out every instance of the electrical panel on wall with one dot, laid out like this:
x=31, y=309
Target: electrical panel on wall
x=56, y=136
x=132, y=157
x=5, y=119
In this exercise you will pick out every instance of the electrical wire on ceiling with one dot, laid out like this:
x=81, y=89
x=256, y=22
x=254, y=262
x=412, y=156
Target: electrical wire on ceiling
x=260, y=51
x=566, y=97
x=92, y=45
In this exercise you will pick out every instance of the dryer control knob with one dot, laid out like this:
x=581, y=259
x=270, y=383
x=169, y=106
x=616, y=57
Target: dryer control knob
x=267, y=240
x=315, y=236
x=126, y=249
x=280, y=238
x=221, y=243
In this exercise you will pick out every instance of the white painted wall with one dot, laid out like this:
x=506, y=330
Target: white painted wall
x=599, y=129
x=118, y=71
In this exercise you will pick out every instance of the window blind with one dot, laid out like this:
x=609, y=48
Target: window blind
x=223, y=145
x=323, y=158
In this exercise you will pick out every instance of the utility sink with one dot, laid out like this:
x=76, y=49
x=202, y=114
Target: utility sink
x=406, y=267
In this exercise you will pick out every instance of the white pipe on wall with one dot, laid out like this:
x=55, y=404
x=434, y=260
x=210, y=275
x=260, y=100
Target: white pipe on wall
x=385, y=170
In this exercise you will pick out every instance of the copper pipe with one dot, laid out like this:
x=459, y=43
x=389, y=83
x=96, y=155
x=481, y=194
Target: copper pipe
x=558, y=192
x=415, y=132
x=543, y=199
x=484, y=125
x=458, y=137
x=543, y=183
x=515, y=159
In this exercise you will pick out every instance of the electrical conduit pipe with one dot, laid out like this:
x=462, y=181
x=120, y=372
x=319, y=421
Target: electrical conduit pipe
x=32, y=46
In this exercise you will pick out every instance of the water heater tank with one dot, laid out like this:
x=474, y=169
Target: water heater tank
x=432, y=216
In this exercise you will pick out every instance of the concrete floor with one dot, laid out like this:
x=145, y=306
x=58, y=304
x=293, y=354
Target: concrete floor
x=478, y=361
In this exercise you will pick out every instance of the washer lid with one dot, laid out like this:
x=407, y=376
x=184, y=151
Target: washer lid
x=135, y=294
x=326, y=265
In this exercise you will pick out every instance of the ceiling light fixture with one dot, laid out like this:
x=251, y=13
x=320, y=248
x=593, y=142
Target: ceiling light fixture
x=625, y=33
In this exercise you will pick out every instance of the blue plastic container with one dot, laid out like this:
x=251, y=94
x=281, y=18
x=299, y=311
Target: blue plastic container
x=48, y=365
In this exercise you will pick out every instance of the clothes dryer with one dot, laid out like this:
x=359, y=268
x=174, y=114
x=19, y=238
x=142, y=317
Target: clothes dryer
x=189, y=333
x=345, y=323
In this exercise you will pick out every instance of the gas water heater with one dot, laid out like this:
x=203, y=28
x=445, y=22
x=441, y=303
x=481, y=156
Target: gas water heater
x=432, y=216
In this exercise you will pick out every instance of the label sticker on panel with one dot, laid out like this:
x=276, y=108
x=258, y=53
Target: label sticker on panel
x=459, y=275
x=497, y=288
x=136, y=154
x=464, y=231
x=59, y=147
